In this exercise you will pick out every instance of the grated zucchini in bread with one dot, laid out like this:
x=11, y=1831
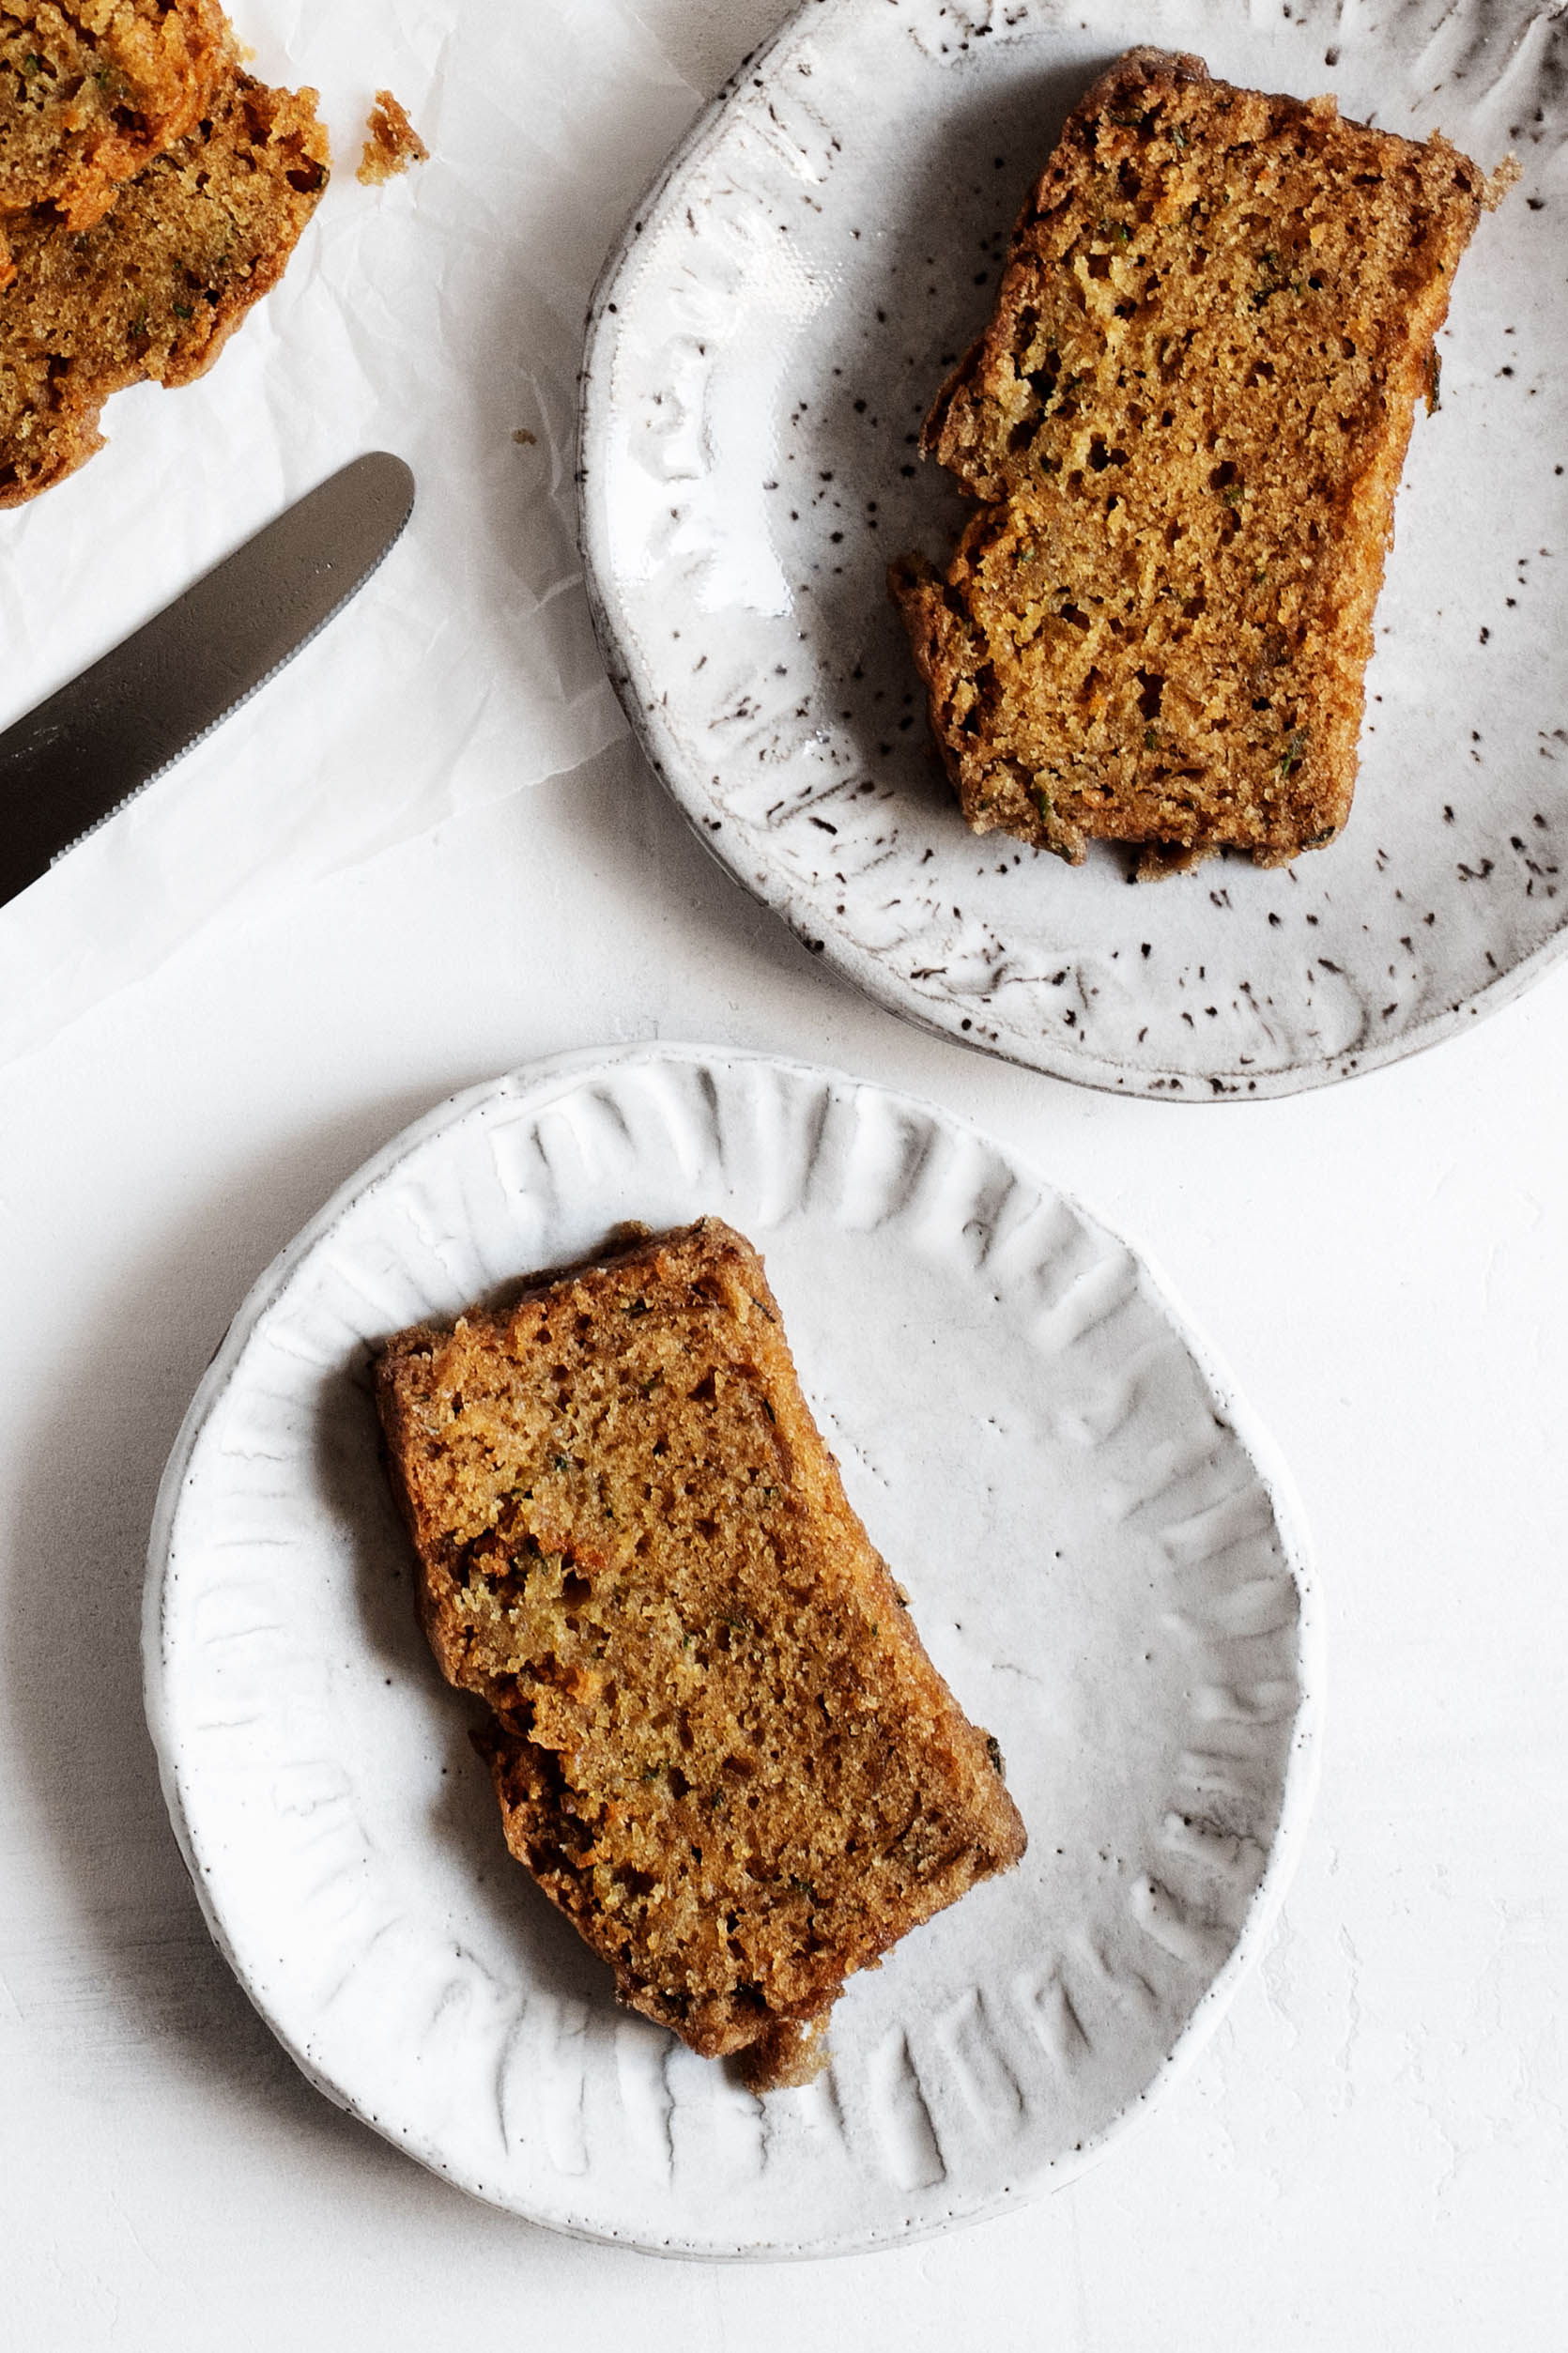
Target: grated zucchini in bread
x=91, y=91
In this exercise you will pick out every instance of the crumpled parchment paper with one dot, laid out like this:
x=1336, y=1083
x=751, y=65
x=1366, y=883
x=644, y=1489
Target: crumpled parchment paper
x=439, y=316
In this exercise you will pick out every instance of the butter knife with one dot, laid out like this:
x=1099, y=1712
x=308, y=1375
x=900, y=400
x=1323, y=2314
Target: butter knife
x=79, y=757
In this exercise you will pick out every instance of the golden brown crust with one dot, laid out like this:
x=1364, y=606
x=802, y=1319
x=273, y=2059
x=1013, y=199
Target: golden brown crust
x=1185, y=424
x=153, y=290
x=717, y=1741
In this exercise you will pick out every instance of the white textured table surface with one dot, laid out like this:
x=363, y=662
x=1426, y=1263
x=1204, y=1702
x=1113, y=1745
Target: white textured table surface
x=1370, y=2153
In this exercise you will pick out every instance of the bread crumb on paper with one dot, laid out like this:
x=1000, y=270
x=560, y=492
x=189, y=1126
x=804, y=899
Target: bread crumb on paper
x=393, y=142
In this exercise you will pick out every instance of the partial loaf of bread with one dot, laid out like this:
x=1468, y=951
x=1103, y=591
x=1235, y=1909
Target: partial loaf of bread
x=1185, y=426
x=154, y=288
x=718, y=1744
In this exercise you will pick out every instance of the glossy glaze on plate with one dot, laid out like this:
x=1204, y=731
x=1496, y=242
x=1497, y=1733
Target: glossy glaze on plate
x=760, y=354
x=1101, y=1557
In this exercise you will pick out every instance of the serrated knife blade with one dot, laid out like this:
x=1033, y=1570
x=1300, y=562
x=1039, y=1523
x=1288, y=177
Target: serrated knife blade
x=79, y=757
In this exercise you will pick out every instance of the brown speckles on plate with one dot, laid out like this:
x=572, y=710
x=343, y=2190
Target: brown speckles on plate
x=750, y=431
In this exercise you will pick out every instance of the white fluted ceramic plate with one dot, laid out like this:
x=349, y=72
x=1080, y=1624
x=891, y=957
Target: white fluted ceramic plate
x=1099, y=1554
x=760, y=353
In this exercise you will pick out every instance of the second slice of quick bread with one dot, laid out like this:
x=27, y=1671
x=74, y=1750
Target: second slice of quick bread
x=1185, y=426
x=716, y=1739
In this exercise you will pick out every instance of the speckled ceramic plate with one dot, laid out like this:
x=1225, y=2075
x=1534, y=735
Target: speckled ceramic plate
x=1100, y=1555
x=760, y=354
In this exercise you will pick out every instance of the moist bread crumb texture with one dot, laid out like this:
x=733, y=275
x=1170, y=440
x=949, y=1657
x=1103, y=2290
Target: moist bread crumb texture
x=717, y=1742
x=1185, y=427
x=151, y=287
x=91, y=91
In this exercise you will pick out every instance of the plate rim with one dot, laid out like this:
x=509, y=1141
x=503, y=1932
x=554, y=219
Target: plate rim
x=1303, y=1759
x=638, y=691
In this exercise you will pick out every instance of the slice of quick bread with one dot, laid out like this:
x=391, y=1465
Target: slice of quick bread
x=154, y=288
x=717, y=1742
x=1185, y=425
